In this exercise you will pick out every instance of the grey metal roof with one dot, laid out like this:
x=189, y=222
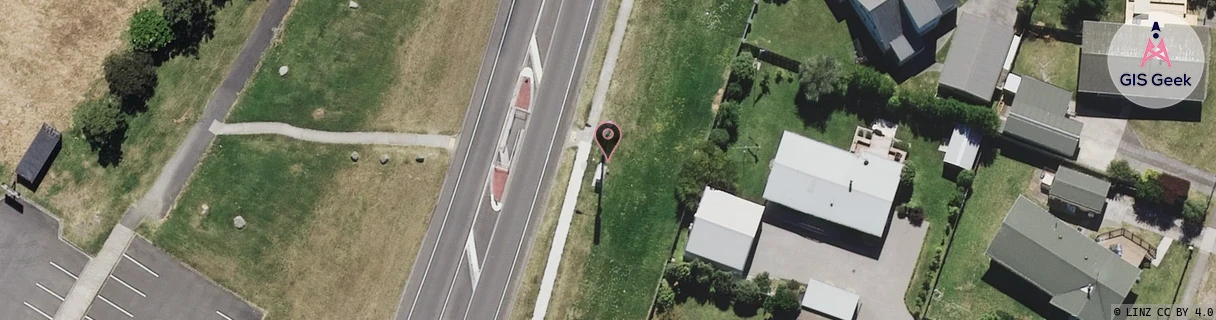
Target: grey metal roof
x=976, y=54
x=853, y=190
x=830, y=300
x=1061, y=261
x=923, y=12
x=1097, y=37
x=888, y=19
x=724, y=229
x=36, y=157
x=1080, y=189
x=1038, y=116
x=964, y=147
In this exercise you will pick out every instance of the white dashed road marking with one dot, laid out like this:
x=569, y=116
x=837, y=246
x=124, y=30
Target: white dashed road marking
x=107, y=301
x=27, y=304
x=124, y=283
x=141, y=265
x=53, y=264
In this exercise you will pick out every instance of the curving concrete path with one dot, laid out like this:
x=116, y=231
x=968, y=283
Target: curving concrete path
x=383, y=138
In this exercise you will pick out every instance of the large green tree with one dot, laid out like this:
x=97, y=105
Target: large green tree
x=742, y=66
x=149, y=31
x=99, y=121
x=1076, y=11
x=822, y=76
x=707, y=165
x=192, y=21
x=131, y=75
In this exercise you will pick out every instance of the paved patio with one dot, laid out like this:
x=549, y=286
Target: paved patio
x=880, y=283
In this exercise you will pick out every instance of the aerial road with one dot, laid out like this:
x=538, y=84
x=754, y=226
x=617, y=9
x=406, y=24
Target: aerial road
x=473, y=255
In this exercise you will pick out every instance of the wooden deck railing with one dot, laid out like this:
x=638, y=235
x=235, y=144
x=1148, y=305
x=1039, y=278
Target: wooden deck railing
x=1123, y=232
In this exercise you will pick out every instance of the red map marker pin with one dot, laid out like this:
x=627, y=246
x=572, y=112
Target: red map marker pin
x=607, y=136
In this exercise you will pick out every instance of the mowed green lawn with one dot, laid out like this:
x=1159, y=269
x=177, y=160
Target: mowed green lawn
x=341, y=62
x=671, y=64
x=1049, y=13
x=800, y=29
x=1158, y=285
x=965, y=295
x=1178, y=139
x=1052, y=61
x=691, y=309
x=89, y=198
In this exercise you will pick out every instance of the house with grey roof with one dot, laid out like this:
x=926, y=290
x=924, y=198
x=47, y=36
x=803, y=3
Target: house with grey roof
x=37, y=159
x=974, y=64
x=1076, y=193
x=854, y=190
x=1039, y=118
x=963, y=149
x=1081, y=277
x=898, y=26
x=724, y=230
x=1098, y=94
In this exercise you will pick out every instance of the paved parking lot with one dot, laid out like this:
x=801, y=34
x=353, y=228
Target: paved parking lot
x=36, y=268
x=881, y=283
x=149, y=284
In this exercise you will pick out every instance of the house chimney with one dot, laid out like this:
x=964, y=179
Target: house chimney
x=850, y=185
x=866, y=162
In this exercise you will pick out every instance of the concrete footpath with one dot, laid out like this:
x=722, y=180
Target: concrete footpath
x=382, y=138
x=181, y=165
x=574, y=186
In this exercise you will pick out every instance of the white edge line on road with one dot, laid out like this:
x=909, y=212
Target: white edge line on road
x=534, y=52
x=57, y=296
x=470, y=249
x=103, y=298
x=27, y=304
x=86, y=317
x=577, y=56
x=53, y=264
x=222, y=314
x=124, y=283
x=460, y=173
x=124, y=255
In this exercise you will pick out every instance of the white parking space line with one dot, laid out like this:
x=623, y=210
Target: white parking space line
x=222, y=315
x=470, y=249
x=107, y=301
x=124, y=283
x=141, y=265
x=53, y=264
x=27, y=304
x=57, y=296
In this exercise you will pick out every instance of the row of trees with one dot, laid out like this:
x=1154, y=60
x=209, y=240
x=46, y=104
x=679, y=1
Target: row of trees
x=698, y=279
x=131, y=73
x=1157, y=188
x=867, y=91
x=708, y=163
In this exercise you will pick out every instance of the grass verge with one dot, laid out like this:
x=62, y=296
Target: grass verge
x=344, y=63
x=529, y=285
x=317, y=223
x=91, y=198
x=691, y=309
x=670, y=67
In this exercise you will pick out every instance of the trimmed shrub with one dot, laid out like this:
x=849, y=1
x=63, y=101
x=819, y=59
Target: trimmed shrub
x=666, y=298
x=728, y=115
x=916, y=214
x=1174, y=190
x=822, y=76
x=784, y=303
x=719, y=137
x=997, y=315
x=734, y=91
x=1148, y=190
x=1121, y=173
x=747, y=294
x=722, y=282
x=763, y=282
x=131, y=75
x=907, y=176
x=99, y=120
x=1194, y=211
x=965, y=179
x=149, y=31
x=742, y=66
x=679, y=272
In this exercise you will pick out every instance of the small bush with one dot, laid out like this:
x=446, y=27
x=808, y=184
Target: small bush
x=131, y=75
x=907, y=176
x=822, y=76
x=1194, y=211
x=742, y=66
x=784, y=303
x=99, y=120
x=1148, y=190
x=1121, y=173
x=679, y=272
x=763, y=282
x=149, y=31
x=666, y=298
x=1174, y=190
x=722, y=283
x=728, y=116
x=719, y=137
x=997, y=315
x=916, y=214
x=734, y=91
x=965, y=179
x=747, y=294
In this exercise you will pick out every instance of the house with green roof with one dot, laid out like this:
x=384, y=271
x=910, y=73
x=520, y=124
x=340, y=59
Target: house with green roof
x=1076, y=193
x=1039, y=118
x=1082, y=278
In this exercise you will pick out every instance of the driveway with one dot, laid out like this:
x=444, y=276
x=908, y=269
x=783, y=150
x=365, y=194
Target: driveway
x=1002, y=11
x=1100, y=140
x=880, y=283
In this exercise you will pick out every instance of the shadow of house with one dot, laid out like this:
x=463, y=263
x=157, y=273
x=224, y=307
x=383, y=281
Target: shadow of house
x=824, y=231
x=38, y=158
x=1022, y=291
x=1101, y=95
x=896, y=36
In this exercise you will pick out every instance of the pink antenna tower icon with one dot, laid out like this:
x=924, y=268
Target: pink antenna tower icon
x=1158, y=51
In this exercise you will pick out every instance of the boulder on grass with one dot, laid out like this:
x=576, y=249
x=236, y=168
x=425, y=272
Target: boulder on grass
x=238, y=222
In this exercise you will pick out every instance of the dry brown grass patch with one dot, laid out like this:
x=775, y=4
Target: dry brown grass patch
x=438, y=65
x=50, y=55
x=357, y=252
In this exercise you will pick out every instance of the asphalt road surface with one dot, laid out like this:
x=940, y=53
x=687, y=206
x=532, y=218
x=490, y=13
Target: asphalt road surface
x=472, y=256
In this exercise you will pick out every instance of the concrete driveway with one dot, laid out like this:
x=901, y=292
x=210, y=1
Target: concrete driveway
x=1100, y=140
x=880, y=283
x=1002, y=11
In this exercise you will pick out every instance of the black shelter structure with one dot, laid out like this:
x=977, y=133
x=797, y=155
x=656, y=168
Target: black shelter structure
x=38, y=157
